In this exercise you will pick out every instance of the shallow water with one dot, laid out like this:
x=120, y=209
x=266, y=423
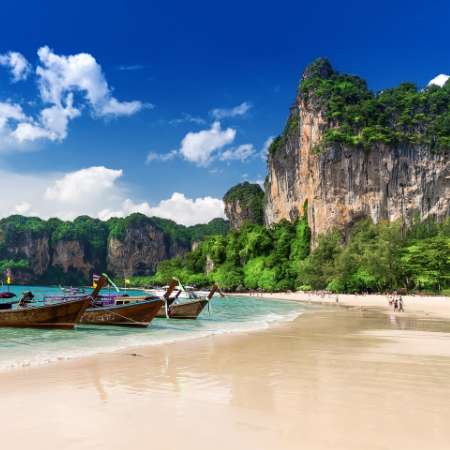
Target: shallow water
x=29, y=347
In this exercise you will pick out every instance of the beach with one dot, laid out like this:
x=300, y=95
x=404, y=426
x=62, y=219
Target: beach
x=420, y=306
x=334, y=377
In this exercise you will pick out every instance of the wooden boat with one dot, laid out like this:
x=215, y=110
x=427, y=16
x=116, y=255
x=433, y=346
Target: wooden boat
x=60, y=315
x=175, y=308
x=135, y=314
x=189, y=309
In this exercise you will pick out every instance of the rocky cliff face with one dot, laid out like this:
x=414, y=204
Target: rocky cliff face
x=71, y=256
x=342, y=184
x=140, y=250
x=69, y=252
x=244, y=203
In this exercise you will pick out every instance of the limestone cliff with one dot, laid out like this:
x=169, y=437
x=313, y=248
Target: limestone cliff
x=345, y=179
x=140, y=249
x=244, y=203
x=71, y=256
x=55, y=251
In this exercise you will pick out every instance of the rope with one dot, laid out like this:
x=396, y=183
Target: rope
x=124, y=317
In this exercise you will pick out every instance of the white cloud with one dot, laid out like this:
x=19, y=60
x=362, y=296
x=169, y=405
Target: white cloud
x=17, y=63
x=74, y=187
x=11, y=116
x=94, y=191
x=59, y=78
x=59, y=75
x=240, y=153
x=239, y=110
x=10, y=111
x=266, y=146
x=26, y=132
x=153, y=156
x=199, y=147
x=23, y=208
x=439, y=80
x=178, y=208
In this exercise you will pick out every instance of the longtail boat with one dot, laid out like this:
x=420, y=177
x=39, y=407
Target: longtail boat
x=172, y=306
x=60, y=315
x=190, y=309
x=65, y=315
x=136, y=314
x=115, y=310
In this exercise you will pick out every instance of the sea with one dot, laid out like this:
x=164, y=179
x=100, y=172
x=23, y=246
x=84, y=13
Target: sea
x=233, y=314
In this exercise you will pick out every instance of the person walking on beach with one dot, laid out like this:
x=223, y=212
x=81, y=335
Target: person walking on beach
x=395, y=304
x=400, y=304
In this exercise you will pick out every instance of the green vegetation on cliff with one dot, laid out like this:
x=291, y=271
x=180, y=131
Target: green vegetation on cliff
x=359, y=117
x=253, y=257
x=22, y=237
x=372, y=258
x=250, y=198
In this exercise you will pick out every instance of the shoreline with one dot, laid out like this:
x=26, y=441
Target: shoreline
x=278, y=388
x=414, y=306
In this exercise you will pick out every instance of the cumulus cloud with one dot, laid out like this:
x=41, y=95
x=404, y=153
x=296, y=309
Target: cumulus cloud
x=199, y=147
x=97, y=192
x=178, y=208
x=240, y=153
x=11, y=114
x=60, y=74
x=439, y=80
x=17, y=63
x=74, y=187
x=239, y=110
x=59, y=79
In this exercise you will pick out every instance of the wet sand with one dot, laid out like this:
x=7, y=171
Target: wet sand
x=331, y=379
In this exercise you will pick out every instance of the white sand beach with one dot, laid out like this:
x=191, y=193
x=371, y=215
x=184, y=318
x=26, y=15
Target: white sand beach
x=334, y=378
x=421, y=306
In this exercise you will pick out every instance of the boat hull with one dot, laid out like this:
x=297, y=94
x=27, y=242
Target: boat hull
x=138, y=314
x=185, y=310
x=61, y=315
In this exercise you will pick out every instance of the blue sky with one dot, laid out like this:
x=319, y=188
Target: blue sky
x=198, y=86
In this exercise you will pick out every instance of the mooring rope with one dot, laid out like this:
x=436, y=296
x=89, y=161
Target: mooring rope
x=124, y=317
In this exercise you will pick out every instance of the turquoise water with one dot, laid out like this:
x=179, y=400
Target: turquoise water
x=29, y=347
x=41, y=291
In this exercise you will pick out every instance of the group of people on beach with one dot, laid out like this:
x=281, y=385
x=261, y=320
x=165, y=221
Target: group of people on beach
x=396, y=301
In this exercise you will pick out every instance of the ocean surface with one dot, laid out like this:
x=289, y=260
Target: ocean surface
x=29, y=347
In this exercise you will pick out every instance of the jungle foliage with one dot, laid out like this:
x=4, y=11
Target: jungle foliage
x=360, y=118
x=372, y=258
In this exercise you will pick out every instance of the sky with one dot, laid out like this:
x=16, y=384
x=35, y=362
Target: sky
x=109, y=108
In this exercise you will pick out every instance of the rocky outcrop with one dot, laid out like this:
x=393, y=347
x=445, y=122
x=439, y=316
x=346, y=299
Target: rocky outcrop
x=138, y=252
x=71, y=256
x=342, y=184
x=69, y=252
x=244, y=203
